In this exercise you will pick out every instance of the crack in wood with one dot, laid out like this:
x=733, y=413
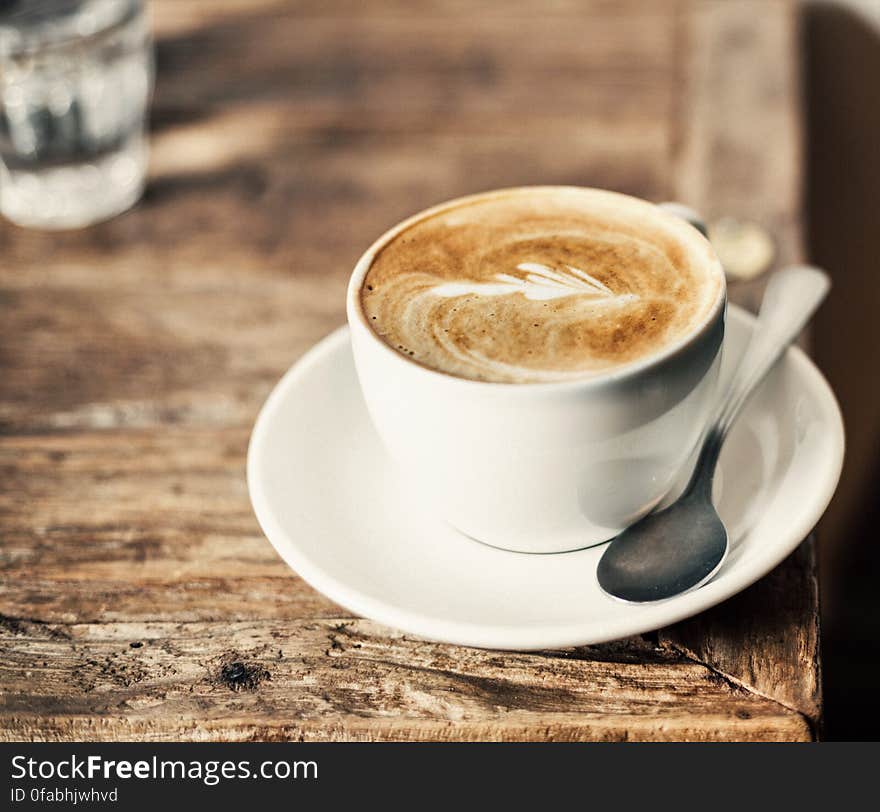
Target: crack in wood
x=739, y=685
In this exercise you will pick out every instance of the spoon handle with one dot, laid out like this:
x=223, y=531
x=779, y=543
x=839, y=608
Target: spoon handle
x=791, y=298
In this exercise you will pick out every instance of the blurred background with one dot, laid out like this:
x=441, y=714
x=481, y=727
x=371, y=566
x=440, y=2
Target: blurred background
x=841, y=53
x=279, y=151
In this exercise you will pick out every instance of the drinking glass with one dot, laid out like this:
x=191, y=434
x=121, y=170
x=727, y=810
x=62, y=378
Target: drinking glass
x=75, y=82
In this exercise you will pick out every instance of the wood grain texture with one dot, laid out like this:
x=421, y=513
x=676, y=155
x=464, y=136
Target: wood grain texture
x=350, y=679
x=138, y=596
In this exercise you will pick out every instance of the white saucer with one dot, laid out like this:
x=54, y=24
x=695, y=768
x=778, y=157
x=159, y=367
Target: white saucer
x=329, y=501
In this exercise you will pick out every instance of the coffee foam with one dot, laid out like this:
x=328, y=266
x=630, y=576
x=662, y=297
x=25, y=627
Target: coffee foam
x=539, y=284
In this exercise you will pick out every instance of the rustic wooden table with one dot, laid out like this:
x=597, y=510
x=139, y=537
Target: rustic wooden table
x=139, y=598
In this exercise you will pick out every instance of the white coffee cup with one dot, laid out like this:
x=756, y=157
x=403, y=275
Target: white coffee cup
x=542, y=467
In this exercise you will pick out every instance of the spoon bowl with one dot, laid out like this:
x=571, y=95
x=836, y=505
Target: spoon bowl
x=654, y=560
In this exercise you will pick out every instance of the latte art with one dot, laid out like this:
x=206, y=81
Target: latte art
x=537, y=285
x=540, y=283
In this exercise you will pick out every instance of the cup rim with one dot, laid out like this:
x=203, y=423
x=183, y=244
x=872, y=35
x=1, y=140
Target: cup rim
x=624, y=372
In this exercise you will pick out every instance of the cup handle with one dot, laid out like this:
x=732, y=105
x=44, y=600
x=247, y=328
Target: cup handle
x=686, y=213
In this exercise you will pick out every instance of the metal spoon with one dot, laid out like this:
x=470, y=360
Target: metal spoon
x=681, y=547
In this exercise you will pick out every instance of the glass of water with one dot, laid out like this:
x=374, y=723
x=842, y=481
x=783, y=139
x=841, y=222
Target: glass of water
x=75, y=83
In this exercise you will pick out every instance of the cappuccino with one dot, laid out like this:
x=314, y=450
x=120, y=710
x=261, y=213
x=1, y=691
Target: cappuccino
x=540, y=284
